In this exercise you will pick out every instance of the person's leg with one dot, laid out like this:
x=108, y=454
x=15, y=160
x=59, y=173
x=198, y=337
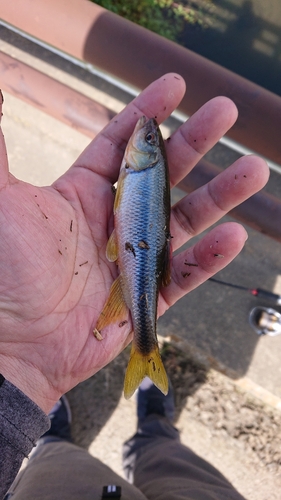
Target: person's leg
x=159, y=465
x=60, y=470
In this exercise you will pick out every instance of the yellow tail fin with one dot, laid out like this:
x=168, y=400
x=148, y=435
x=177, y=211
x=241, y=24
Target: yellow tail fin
x=141, y=366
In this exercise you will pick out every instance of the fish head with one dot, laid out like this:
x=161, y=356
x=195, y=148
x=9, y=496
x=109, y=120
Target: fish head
x=143, y=149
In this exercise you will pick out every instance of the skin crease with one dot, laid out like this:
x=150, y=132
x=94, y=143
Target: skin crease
x=55, y=277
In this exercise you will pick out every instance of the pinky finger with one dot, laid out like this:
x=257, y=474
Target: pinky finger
x=195, y=265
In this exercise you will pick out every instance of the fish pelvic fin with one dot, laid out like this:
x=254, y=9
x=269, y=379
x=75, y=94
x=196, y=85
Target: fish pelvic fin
x=115, y=308
x=111, y=247
x=140, y=366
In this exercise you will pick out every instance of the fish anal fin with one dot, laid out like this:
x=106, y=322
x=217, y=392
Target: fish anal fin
x=141, y=366
x=111, y=247
x=115, y=307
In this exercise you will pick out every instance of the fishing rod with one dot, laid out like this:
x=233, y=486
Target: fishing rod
x=256, y=292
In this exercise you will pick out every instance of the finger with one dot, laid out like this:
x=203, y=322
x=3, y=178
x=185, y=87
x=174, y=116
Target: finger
x=197, y=264
x=198, y=135
x=105, y=153
x=205, y=206
x=4, y=170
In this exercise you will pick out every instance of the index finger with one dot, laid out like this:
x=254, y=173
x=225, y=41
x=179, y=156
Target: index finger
x=198, y=135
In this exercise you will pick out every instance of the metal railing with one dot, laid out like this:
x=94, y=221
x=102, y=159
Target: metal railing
x=138, y=56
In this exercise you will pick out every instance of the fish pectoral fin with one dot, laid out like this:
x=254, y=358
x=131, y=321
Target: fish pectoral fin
x=119, y=190
x=111, y=247
x=141, y=366
x=115, y=307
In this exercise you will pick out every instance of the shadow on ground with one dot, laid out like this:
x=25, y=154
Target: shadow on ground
x=93, y=401
x=201, y=395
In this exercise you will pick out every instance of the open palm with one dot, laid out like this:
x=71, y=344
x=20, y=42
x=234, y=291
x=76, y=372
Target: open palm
x=54, y=276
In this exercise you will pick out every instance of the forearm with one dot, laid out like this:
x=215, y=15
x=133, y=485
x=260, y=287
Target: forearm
x=22, y=422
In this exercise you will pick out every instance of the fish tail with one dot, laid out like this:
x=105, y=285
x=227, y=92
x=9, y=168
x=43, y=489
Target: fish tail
x=141, y=366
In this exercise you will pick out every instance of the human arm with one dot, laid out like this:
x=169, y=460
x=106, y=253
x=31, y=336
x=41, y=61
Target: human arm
x=22, y=422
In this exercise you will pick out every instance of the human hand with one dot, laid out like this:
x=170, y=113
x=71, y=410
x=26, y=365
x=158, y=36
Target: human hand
x=55, y=277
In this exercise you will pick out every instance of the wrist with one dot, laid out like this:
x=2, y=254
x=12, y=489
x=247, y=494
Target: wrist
x=30, y=381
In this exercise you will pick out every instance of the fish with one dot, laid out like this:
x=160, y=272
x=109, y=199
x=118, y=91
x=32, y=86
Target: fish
x=140, y=244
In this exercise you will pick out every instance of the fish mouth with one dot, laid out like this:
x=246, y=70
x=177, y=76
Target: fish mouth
x=141, y=121
x=144, y=121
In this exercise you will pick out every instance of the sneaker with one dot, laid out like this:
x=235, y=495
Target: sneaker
x=60, y=416
x=151, y=401
x=265, y=321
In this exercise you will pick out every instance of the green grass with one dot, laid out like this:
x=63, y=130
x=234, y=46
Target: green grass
x=165, y=17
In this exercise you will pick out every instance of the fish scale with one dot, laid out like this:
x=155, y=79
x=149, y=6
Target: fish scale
x=141, y=218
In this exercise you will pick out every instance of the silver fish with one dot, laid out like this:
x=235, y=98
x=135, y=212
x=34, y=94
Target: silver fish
x=141, y=243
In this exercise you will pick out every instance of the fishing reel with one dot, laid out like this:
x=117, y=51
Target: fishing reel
x=265, y=321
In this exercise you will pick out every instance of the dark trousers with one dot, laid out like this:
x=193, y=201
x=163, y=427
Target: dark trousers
x=156, y=464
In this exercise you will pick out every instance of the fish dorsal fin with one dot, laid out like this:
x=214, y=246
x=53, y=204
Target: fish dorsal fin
x=166, y=273
x=111, y=247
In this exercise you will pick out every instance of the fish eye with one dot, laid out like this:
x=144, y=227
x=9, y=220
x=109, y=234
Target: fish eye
x=150, y=138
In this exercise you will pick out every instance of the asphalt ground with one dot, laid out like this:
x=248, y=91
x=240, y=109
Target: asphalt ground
x=212, y=321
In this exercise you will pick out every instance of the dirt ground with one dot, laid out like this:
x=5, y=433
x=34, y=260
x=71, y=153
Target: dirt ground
x=231, y=429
